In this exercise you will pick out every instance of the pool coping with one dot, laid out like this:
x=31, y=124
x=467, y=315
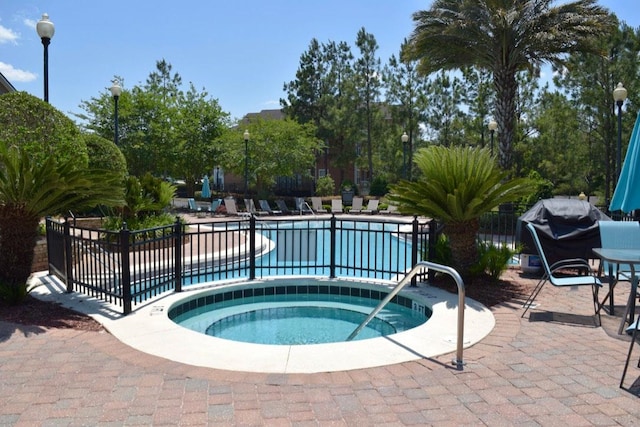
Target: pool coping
x=148, y=329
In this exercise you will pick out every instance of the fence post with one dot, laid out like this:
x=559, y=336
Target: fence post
x=433, y=239
x=332, y=257
x=177, y=263
x=125, y=273
x=252, y=247
x=68, y=256
x=414, y=248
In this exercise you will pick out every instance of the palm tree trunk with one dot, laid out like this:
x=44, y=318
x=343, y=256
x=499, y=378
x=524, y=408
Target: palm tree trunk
x=18, y=235
x=506, y=87
x=462, y=240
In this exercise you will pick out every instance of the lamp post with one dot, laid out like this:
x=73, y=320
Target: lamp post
x=45, y=30
x=246, y=162
x=404, y=138
x=619, y=95
x=493, y=125
x=116, y=90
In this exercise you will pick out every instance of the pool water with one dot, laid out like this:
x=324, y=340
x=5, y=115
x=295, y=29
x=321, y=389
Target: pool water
x=286, y=314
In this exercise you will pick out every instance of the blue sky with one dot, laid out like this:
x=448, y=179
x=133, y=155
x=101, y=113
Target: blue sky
x=241, y=52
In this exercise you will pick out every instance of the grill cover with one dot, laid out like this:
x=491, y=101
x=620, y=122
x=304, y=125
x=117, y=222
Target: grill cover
x=567, y=228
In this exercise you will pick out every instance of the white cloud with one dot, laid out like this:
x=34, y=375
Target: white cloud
x=31, y=23
x=271, y=102
x=15, y=75
x=8, y=36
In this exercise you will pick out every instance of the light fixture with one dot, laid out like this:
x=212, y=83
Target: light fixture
x=45, y=29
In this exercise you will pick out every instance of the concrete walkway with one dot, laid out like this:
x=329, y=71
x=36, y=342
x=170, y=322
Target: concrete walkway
x=553, y=367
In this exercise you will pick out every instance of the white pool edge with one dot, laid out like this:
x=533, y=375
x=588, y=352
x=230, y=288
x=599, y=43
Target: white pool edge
x=148, y=329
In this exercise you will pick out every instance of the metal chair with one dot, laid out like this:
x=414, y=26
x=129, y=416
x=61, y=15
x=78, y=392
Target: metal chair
x=550, y=275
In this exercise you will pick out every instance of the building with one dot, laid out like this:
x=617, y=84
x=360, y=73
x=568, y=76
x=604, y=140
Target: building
x=5, y=85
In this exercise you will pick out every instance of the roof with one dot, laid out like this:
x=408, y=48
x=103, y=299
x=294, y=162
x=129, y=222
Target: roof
x=5, y=85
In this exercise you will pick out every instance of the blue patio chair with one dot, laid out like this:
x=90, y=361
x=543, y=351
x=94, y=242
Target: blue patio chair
x=193, y=207
x=618, y=235
x=215, y=204
x=551, y=275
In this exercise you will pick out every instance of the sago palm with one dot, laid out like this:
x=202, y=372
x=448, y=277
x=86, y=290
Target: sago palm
x=505, y=37
x=29, y=191
x=456, y=186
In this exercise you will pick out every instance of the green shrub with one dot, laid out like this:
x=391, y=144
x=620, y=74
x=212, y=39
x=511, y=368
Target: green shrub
x=16, y=294
x=493, y=260
x=325, y=186
x=379, y=187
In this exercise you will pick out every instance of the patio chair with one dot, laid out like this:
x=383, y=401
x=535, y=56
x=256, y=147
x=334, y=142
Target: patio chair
x=356, y=205
x=232, y=209
x=618, y=235
x=391, y=209
x=251, y=208
x=194, y=208
x=282, y=207
x=316, y=205
x=336, y=206
x=372, y=206
x=551, y=275
x=264, y=206
x=215, y=204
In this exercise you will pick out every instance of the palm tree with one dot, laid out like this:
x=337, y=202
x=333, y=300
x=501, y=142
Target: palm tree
x=29, y=191
x=457, y=185
x=505, y=37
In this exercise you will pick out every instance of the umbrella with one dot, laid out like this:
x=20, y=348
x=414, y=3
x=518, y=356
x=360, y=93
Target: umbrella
x=206, y=191
x=626, y=196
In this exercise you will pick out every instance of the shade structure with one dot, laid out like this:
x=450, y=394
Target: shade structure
x=206, y=190
x=626, y=196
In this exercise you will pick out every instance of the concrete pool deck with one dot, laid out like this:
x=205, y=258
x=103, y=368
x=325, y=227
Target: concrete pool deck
x=552, y=367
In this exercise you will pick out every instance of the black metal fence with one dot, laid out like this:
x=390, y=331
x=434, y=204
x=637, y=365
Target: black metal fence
x=127, y=267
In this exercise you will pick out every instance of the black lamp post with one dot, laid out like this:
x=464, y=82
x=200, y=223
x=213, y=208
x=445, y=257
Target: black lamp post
x=116, y=90
x=246, y=162
x=45, y=30
x=493, y=125
x=404, y=138
x=619, y=95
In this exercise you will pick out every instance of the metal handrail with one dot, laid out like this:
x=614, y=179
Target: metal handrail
x=407, y=279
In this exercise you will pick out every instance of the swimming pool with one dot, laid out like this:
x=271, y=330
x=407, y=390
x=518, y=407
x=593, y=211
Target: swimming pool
x=297, y=312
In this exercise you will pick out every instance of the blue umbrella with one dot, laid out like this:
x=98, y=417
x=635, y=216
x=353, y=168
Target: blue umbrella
x=206, y=191
x=626, y=197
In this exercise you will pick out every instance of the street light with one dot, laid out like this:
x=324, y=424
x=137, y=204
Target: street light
x=493, y=125
x=619, y=95
x=116, y=90
x=404, y=138
x=45, y=30
x=246, y=162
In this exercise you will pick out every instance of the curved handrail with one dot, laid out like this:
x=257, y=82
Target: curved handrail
x=407, y=279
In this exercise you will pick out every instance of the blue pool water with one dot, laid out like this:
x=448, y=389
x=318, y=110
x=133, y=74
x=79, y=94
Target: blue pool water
x=296, y=312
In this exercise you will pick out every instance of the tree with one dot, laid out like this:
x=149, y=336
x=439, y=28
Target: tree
x=406, y=96
x=457, y=186
x=39, y=129
x=443, y=114
x=104, y=154
x=277, y=148
x=504, y=36
x=29, y=191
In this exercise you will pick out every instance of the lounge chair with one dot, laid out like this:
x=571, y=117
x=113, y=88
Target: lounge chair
x=264, y=206
x=316, y=205
x=303, y=207
x=551, y=275
x=336, y=206
x=356, y=205
x=232, y=209
x=251, y=208
x=282, y=207
x=194, y=208
x=372, y=206
x=215, y=204
x=391, y=209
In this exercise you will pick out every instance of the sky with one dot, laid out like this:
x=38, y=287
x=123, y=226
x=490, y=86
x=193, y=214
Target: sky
x=240, y=52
